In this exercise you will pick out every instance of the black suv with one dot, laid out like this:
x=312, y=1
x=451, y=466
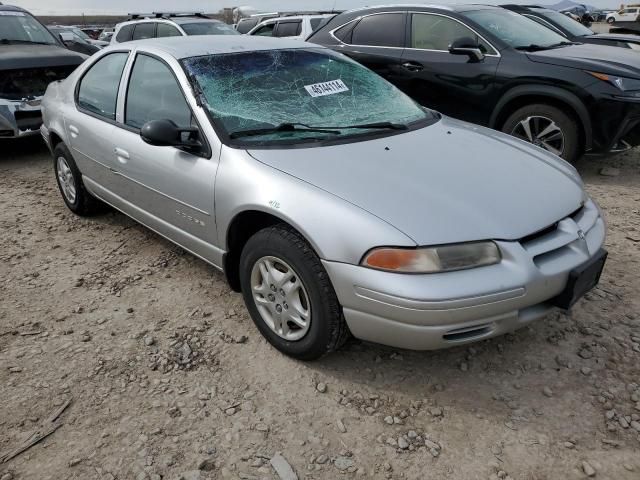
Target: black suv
x=497, y=68
x=574, y=31
x=31, y=57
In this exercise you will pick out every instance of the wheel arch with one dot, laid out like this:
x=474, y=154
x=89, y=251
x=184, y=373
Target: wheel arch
x=241, y=228
x=526, y=94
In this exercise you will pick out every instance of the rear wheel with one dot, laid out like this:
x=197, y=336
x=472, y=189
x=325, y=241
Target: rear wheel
x=289, y=295
x=69, y=180
x=548, y=127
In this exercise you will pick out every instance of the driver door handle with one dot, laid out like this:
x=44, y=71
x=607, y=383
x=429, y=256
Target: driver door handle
x=121, y=155
x=413, y=66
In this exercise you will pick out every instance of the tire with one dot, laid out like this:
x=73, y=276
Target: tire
x=289, y=254
x=610, y=20
x=538, y=116
x=79, y=201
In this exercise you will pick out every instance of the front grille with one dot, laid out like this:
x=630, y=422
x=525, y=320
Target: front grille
x=30, y=82
x=551, y=242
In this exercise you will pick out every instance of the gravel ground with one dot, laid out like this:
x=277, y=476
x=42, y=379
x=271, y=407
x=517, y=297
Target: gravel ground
x=169, y=378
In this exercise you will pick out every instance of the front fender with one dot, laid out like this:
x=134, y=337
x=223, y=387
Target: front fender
x=549, y=91
x=337, y=230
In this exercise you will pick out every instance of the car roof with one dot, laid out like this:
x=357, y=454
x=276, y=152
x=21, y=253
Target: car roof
x=298, y=17
x=426, y=6
x=12, y=8
x=177, y=20
x=195, y=46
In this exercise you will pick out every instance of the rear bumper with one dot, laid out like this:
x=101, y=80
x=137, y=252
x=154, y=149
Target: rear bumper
x=19, y=118
x=424, y=312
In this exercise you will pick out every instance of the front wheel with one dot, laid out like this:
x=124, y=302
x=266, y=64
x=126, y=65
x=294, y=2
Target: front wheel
x=289, y=295
x=70, y=183
x=610, y=20
x=548, y=127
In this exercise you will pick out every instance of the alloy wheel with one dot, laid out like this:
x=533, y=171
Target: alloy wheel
x=540, y=131
x=281, y=298
x=66, y=180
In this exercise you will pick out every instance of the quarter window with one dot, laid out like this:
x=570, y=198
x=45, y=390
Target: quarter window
x=98, y=91
x=124, y=35
x=166, y=30
x=435, y=32
x=385, y=30
x=144, y=30
x=289, y=29
x=154, y=94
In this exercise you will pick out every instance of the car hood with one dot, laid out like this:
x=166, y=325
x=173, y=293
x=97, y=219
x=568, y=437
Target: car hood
x=36, y=56
x=599, y=58
x=449, y=182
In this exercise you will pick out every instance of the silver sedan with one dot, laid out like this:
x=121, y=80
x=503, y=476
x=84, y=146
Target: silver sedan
x=335, y=203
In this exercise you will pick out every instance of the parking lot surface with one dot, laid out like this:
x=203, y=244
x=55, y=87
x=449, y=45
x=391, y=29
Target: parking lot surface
x=169, y=378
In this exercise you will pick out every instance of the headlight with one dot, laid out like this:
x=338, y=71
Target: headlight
x=621, y=83
x=444, y=258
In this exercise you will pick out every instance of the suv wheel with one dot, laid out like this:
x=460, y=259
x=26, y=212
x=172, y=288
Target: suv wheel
x=69, y=181
x=289, y=295
x=545, y=126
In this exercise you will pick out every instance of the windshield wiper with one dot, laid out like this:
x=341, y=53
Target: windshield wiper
x=535, y=48
x=7, y=41
x=380, y=125
x=283, y=127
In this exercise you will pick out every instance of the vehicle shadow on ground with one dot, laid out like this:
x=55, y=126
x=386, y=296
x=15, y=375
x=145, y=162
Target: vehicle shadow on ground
x=27, y=149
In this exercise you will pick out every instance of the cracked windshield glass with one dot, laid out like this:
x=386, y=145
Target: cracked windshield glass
x=298, y=95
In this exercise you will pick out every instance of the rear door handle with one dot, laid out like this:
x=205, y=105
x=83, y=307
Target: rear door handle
x=74, y=131
x=121, y=155
x=413, y=66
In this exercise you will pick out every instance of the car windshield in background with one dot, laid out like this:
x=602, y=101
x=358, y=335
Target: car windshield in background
x=575, y=28
x=299, y=95
x=208, y=28
x=19, y=27
x=515, y=30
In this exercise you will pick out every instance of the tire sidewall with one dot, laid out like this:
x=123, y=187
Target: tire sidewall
x=566, y=123
x=62, y=151
x=314, y=343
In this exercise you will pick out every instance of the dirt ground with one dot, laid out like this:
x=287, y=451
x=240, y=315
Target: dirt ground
x=101, y=311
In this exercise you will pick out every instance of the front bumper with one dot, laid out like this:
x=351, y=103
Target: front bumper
x=615, y=124
x=19, y=118
x=424, y=312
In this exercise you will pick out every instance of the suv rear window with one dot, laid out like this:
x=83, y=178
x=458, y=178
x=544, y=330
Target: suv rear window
x=124, y=35
x=245, y=25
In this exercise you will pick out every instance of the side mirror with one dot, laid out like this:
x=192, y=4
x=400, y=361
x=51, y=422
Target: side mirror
x=66, y=37
x=467, y=46
x=165, y=133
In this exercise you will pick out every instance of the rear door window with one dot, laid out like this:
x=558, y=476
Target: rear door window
x=384, y=30
x=124, y=35
x=289, y=29
x=144, y=30
x=98, y=90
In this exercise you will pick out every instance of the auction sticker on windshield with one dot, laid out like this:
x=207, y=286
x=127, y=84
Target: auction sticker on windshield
x=326, y=88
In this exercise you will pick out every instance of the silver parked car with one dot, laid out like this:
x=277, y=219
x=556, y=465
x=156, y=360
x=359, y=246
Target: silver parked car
x=334, y=202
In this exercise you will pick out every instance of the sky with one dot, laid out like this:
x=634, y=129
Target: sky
x=74, y=7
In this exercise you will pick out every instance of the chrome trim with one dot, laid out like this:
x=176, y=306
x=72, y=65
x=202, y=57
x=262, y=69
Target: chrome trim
x=120, y=174
x=453, y=303
x=409, y=12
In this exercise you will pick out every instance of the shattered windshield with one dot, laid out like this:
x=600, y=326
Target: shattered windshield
x=20, y=27
x=298, y=95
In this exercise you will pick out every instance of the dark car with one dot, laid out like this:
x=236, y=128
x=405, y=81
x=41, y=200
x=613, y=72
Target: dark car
x=574, y=31
x=73, y=41
x=494, y=67
x=31, y=57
